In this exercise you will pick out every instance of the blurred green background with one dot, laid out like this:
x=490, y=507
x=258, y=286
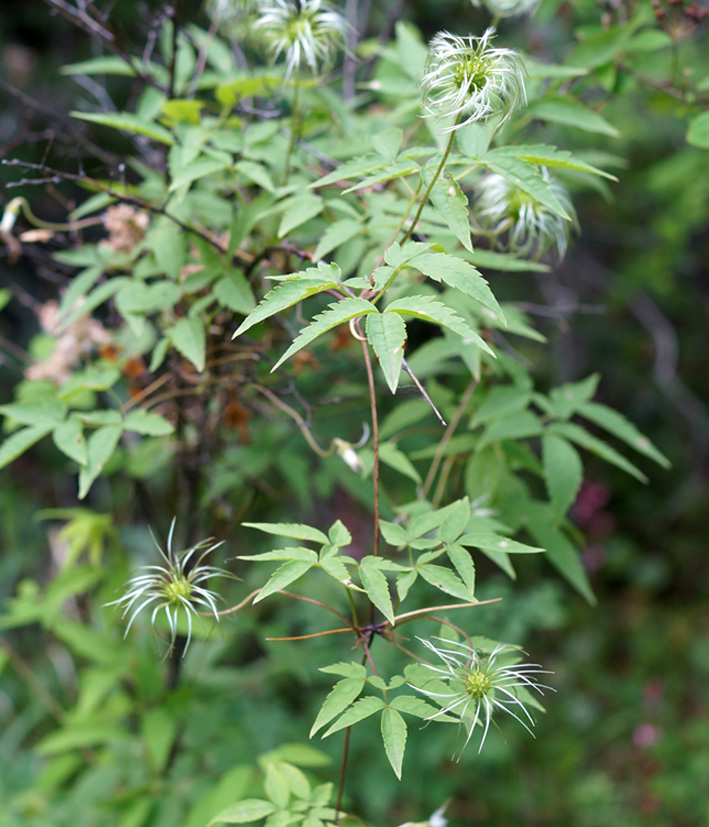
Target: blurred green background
x=625, y=741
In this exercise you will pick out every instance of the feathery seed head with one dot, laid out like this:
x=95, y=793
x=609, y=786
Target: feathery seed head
x=307, y=32
x=473, y=686
x=175, y=587
x=508, y=8
x=520, y=223
x=466, y=79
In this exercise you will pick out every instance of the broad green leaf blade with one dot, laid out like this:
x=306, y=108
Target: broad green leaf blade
x=188, y=337
x=342, y=695
x=148, y=424
x=362, y=709
x=113, y=65
x=293, y=290
x=46, y=411
x=336, y=314
x=346, y=670
x=128, y=123
x=460, y=275
x=413, y=705
x=283, y=576
x=463, y=563
x=336, y=234
x=69, y=438
x=297, y=531
x=495, y=542
x=394, y=738
x=376, y=586
x=570, y=112
x=244, y=812
x=576, y=434
x=276, y=786
x=567, y=399
x=528, y=178
x=99, y=449
x=17, y=443
x=616, y=424
x=521, y=425
x=550, y=156
x=290, y=553
x=388, y=173
x=299, y=209
x=197, y=169
x=362, y=165
x=430, y=310
x=563, y=473
x=560, y=550
x=392, y=456
x=499, y=402
x=446, y=581
x=386, y=333
x=452, y=205
x=234, y=292
x=698, y=132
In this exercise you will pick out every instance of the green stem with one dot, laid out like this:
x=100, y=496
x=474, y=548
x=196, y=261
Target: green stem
x=433, y=181
x=375, y=436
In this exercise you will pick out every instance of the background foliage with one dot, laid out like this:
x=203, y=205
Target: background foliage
x=98, y=730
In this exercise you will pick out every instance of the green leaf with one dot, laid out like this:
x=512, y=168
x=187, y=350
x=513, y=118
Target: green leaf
x=500, y=402
x=148, y=424
x=285, y=575
x=197, y=169
x=426, y=308
x=392, y=456
x=394, y=534
x=550, y=156
x=128, y=123
x=243, y=812
x=387, y=143
x=571, y=112
x=182, y=110
x=463, y=563
x=394, y=738
x=290, y=553
x=112, y=65
x=527, y=177
x=398, y=169
x=515, y=426
x=20, y=441
x=597, y=447
x=137, y=297
x=446, y=581
x=234, y=292
x=362, y=165
x=698, y=132
x=336, y=314
x=494, y=542
x=413, y=705
x=560, y=551
x=341, y=696
x=376, y=586
x=188, y=337
x=297, y=531
x=455, y=521
x=44, y=411
x=298, y=210
x=346, y=670
x=386, y=333
x=452, y=205
x=563, y=473
x=295, y=289
x=460, y=275
x=567, y=399
x=276, y=786
x=616, y=424
x=256, y=173
x=336, y=234
x=362, y=709
x=69, y=438
x=99, y=449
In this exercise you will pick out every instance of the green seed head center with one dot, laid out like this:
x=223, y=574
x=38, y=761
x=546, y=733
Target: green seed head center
x=473, y=71
x=178, y=590
x=477, y=684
